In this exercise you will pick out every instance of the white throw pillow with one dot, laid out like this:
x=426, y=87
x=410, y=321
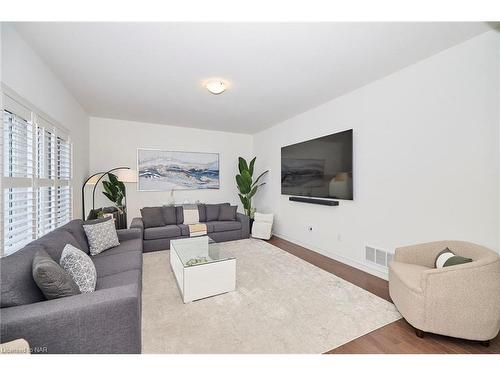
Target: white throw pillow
x=80, y=267
x=191, y=214
x=101, y=236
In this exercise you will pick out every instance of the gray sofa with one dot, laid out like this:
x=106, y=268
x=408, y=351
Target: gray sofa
x=158, y=238
x=105, y=321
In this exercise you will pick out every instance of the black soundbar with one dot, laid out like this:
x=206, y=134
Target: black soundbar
x=324, y=202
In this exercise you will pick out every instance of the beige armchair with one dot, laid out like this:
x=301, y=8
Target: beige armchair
x=459, y=301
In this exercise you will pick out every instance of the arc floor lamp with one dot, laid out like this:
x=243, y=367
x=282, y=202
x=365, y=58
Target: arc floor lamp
x=124, y=174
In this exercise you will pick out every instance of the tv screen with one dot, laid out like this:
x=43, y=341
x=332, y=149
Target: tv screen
x=320, y=167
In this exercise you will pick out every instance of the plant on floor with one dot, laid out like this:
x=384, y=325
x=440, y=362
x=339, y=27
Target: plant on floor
x=246, y=185
x=114, y=190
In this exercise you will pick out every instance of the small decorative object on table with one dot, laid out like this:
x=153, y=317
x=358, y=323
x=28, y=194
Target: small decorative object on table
x=197, y=260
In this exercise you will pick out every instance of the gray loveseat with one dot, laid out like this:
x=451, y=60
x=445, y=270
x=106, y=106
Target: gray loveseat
x=105, y=321
x=158, y=238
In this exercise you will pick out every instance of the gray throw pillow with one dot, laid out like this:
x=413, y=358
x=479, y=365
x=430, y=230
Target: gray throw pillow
x=179, y=212
x=80, y=267
x=51, y=278
x=227, y=213
x=202, y=212
x=97, y=221
x=213, y=211
x=169, y=216
x=101, y=236
x=152, y=217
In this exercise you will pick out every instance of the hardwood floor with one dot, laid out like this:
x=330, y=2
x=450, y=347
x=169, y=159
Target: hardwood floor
x=395, y=338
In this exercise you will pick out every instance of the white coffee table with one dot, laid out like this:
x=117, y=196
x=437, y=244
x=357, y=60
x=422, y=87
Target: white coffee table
x=201, y=268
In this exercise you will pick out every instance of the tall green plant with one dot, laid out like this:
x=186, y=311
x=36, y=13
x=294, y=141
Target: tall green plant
x=114, y=190
x=246, y=185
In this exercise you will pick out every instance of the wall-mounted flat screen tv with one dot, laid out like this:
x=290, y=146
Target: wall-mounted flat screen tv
x=320, y=167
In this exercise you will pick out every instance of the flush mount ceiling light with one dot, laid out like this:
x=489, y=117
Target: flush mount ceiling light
x=216, y=86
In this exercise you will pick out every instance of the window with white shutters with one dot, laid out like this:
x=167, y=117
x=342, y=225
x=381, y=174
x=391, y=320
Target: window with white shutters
x=36, y=177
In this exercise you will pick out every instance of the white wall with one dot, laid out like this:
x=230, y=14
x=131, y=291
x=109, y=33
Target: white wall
x=24, y=72
x=114, y=143
x=426, y=158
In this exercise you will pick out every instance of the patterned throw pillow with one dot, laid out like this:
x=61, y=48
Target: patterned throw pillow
x=101, y=236
x=80, y=267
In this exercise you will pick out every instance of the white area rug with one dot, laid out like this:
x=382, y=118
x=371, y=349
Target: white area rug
x=282, y=304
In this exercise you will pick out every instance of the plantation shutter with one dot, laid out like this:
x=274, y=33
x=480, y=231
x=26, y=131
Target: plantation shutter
x=18, y=218
x=36, y=177
x=18, y=170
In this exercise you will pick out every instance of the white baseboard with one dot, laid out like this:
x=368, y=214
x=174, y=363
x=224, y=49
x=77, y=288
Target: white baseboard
x=366, y=267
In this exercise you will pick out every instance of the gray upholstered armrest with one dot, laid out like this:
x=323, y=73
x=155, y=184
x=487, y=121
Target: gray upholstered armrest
x=245, y=224
x=105, y=321
x=137, y=223
x=129, y=234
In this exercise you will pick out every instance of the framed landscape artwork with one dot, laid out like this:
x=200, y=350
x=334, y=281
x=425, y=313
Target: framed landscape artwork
x=177, y=170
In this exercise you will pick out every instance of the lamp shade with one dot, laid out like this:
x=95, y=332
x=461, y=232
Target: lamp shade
x=94, y=179
x=126, y=175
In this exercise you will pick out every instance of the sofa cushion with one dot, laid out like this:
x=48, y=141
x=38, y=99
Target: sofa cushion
x=202, y=212
x=169, y=215
x=111, y=264
x=55, y=241
x=210, y=226
x=409, y=274
x=17, y=284
x=101, y=236
x=75, y=228
x=227, y=213
x=166, y=231
x=80, y=267
x=134, y=244
x=51, y=278
x=222, y=226
x=119, y=279
x=213, y=211
x=152, y=217
x=179, y=212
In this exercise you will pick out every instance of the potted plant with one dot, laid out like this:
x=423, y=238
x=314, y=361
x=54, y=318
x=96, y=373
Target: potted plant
x=114, y=190
x=247, y=186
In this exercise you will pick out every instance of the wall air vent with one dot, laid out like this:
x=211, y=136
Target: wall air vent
x=370, y=253
x=378, y=256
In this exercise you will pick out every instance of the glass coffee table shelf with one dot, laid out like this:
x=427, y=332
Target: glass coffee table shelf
x=201, y=269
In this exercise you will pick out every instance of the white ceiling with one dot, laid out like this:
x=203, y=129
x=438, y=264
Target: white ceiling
x=152, y=72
